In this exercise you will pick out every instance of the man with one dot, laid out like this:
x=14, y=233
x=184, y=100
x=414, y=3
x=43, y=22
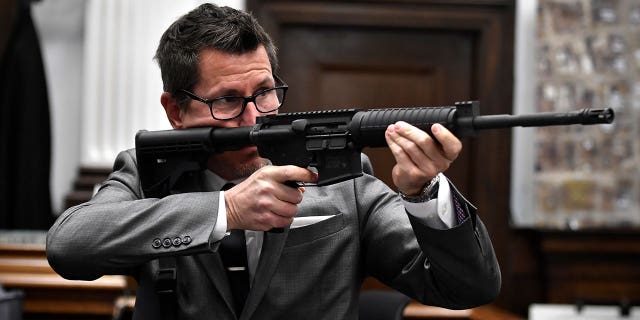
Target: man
x=218, y=68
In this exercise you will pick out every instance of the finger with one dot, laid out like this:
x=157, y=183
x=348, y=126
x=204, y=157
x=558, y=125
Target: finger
x=265, y=192
x=392, y=137
x=450, y=144
x=284, y=209
x=271, y=220
x=294, y=173
x=416, y=166
x=285, y=175
x=419, y=146
x=268, y=200
x=281, y=183
x=443, y=151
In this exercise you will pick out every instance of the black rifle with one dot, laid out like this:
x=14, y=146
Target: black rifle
x=330, y=141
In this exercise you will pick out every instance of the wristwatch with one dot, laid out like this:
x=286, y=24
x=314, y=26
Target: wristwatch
x=429, y=192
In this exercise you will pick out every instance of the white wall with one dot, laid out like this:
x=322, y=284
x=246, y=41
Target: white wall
x=84, y=127
x=524, y=100
x=60, y=27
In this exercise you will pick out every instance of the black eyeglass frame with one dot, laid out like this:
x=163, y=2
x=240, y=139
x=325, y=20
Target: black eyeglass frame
x=252, y=98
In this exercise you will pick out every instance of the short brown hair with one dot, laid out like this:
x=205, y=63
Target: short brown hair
x=207, y=26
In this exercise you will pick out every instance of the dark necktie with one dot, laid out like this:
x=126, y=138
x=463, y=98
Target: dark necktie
x=233, y=251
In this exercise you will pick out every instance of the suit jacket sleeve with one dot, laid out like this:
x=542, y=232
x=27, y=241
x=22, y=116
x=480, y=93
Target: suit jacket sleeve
x=118, y=230
x=454, y=268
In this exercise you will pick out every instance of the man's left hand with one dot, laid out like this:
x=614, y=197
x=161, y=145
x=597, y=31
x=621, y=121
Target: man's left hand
x=418, y=156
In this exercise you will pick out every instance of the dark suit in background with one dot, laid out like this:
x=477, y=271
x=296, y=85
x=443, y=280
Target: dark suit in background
x=25, y=141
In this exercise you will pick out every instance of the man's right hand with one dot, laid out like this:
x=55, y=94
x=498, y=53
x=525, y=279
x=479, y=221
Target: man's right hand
x=263, y=201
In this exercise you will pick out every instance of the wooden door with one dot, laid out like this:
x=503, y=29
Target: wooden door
x=368, y=68
x=376, y=53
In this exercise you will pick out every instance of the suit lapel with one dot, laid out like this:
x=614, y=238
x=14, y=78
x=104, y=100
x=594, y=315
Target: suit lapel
x=269, y=258
x=272, y=246
x=211, y=263
x=214, y=269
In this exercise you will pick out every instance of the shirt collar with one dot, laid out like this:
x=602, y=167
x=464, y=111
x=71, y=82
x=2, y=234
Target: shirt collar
x=213, y=182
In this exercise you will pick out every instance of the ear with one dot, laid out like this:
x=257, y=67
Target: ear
x=172, y=109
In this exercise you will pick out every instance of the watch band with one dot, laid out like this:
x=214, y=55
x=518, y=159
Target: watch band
x=429, y=192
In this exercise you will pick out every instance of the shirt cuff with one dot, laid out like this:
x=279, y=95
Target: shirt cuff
x=436, y=213
x=220, y=229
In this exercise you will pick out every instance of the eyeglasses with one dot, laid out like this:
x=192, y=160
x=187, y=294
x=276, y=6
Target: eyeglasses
x=231, y=107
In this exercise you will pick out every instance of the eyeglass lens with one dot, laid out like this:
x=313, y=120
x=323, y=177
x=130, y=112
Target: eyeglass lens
x=230, y=107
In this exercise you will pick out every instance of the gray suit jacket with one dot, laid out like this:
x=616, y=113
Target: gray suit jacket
x=311, y=272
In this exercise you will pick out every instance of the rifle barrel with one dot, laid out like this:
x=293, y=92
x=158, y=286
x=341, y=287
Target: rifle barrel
x=584, y=116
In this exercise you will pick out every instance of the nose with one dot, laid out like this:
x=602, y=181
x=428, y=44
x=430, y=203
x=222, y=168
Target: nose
x=248, y=117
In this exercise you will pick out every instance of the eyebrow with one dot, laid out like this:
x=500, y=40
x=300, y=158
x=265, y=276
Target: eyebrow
x=234, y=92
